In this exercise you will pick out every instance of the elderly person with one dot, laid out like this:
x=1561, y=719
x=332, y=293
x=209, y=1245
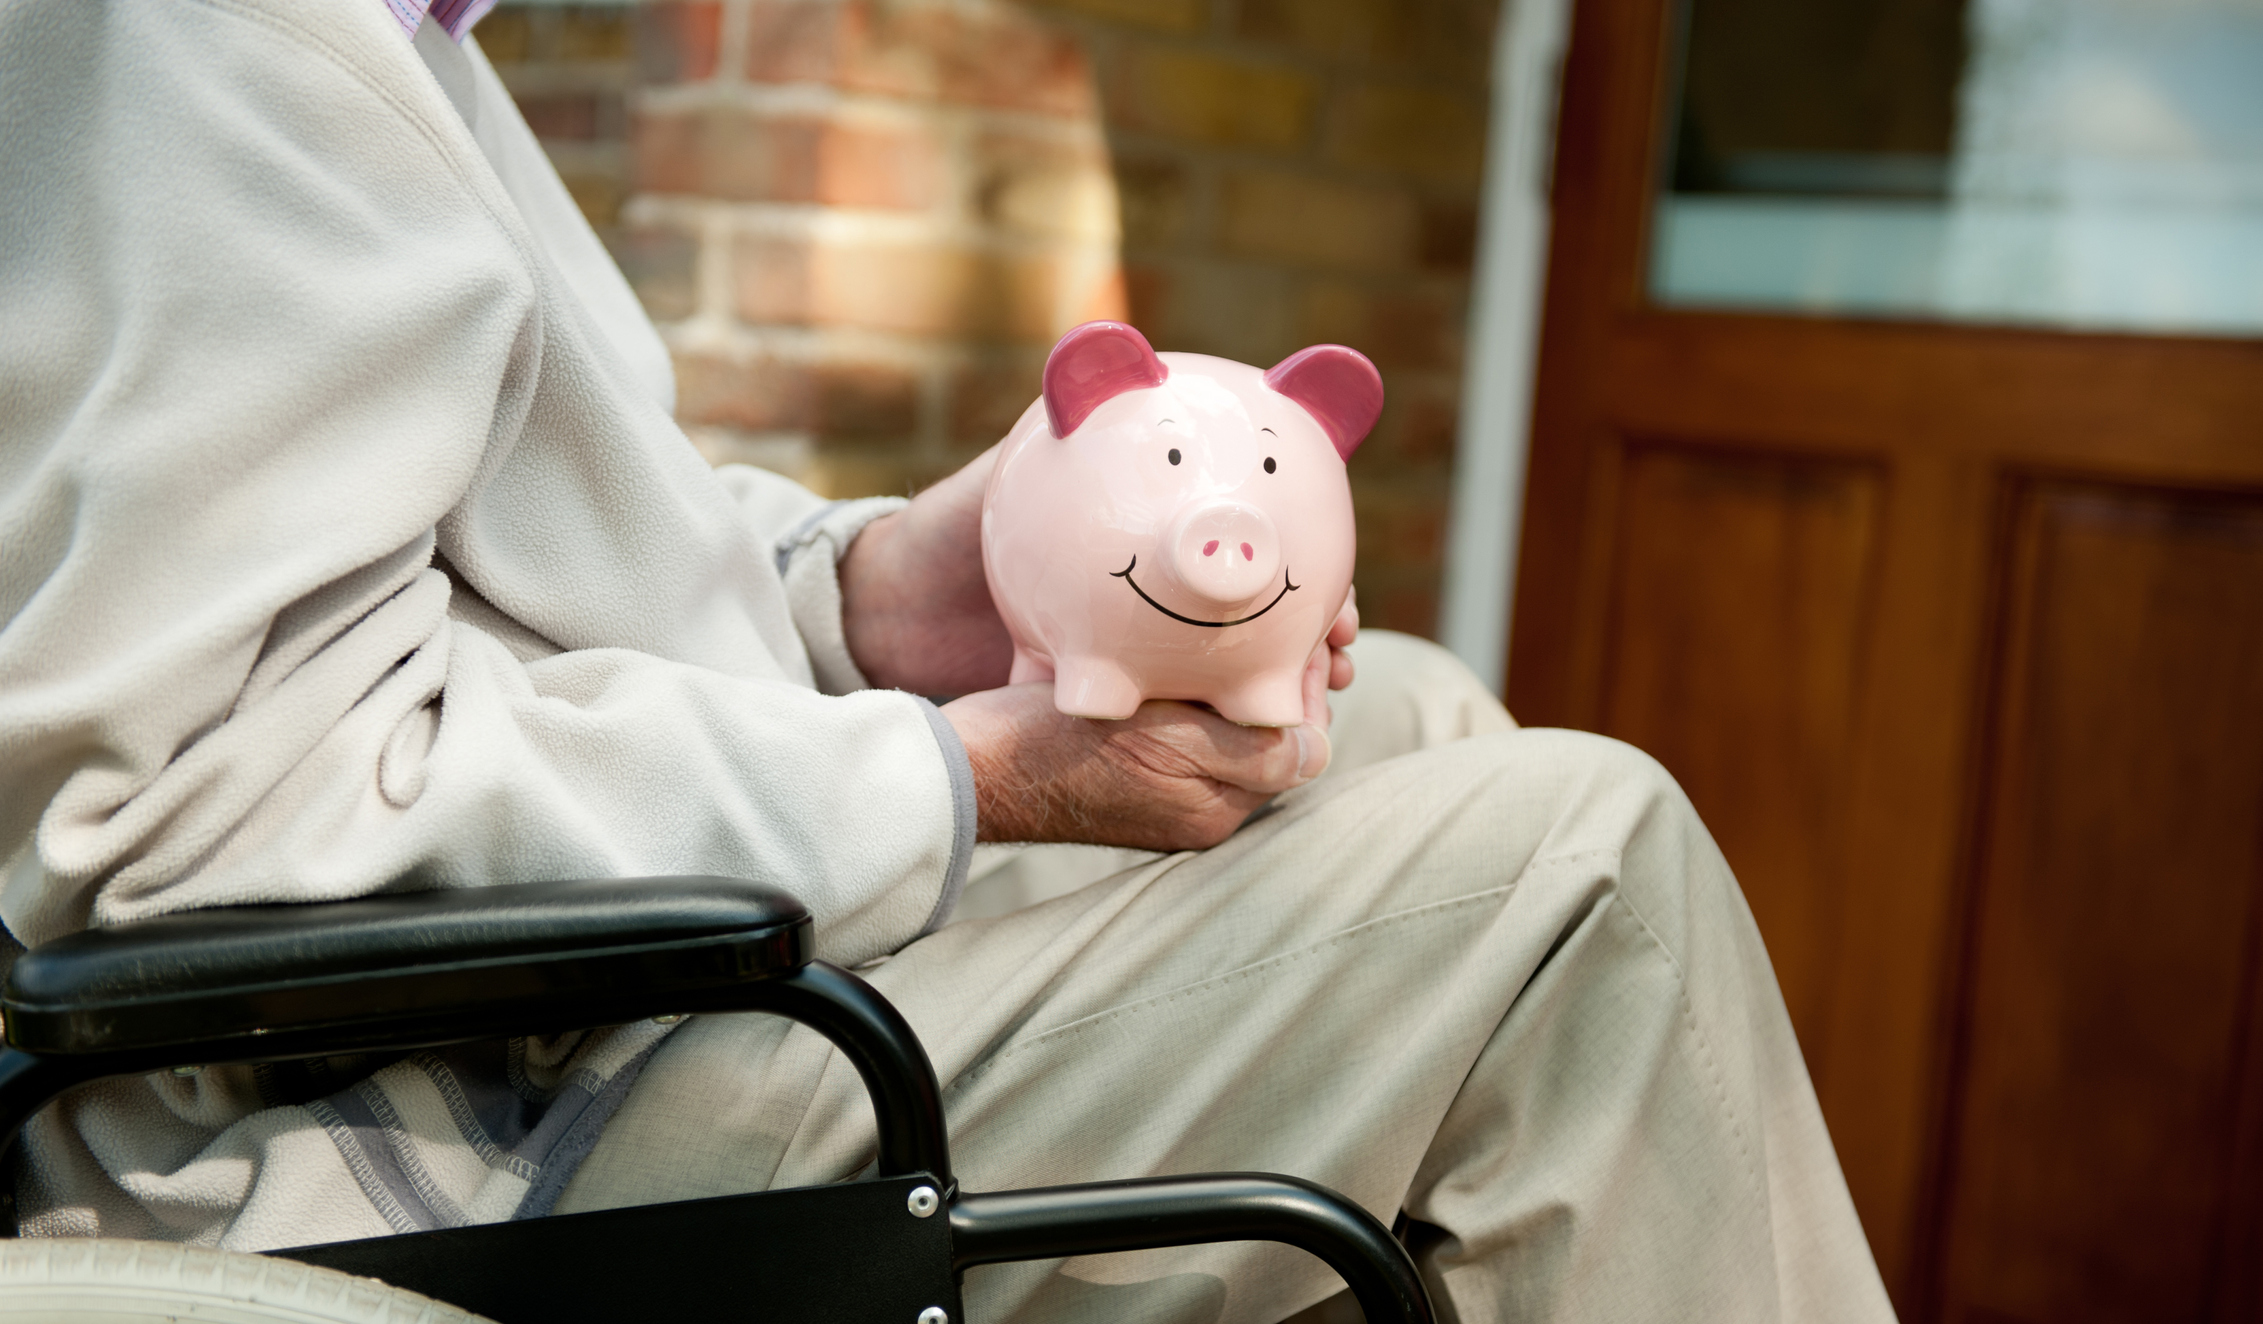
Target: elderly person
x=346, y=543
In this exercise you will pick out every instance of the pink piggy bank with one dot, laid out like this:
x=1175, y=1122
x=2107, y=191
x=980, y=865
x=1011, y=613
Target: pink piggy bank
x=1177, y=526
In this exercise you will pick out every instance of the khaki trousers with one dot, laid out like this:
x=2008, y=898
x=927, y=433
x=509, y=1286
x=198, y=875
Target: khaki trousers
x=1505, y=982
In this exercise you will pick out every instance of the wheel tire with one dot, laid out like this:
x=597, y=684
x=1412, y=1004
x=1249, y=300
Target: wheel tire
x=106, y=1281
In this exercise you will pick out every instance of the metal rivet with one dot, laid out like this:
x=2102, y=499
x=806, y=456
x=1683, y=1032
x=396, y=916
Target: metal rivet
x=188, y=1071
x=923, y=1202
x=935, y=1315
x=668, y=1020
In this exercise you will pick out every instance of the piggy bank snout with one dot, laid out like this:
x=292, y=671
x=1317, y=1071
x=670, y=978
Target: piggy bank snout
x=1224, y=551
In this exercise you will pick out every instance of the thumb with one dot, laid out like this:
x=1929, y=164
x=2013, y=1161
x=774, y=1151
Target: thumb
x=1288, y=757
x=1314, y=750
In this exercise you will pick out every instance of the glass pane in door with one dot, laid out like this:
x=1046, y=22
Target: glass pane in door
x=2074, y=163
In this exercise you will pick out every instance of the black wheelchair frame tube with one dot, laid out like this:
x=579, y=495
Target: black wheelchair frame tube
x=907, y=1103
x=1050, y=1222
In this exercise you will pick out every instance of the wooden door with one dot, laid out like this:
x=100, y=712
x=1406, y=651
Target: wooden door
x=1954, y=634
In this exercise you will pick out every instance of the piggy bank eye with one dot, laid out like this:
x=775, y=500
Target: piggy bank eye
x=1174, y=456
x=1269, y=466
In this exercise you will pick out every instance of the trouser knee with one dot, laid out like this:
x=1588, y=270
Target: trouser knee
x=1603, y=795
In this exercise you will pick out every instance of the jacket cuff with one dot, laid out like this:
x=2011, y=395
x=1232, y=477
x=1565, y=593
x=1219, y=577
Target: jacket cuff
x=962, y=817
x=809, y=560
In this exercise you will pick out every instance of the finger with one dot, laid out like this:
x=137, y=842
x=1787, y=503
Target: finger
x=1345, y=628
x=1206, y=744
x=1340, y=669
x=1199, y=743
x=1317, y=671
x=1314, y=749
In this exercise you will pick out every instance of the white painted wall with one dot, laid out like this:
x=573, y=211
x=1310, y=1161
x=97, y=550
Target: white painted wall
x=1496, y=412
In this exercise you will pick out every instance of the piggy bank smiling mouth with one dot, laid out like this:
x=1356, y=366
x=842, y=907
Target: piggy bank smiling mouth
x=1125, y=575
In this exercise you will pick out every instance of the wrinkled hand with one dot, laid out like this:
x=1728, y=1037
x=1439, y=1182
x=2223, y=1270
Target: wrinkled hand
x=1172, y=776
x=915, y=606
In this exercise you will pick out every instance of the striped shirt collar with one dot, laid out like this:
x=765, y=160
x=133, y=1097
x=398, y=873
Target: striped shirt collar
x=454, y=17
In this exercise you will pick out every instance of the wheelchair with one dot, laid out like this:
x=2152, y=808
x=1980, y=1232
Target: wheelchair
x=405, y=971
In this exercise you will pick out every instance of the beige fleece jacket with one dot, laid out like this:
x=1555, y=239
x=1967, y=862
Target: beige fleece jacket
x=342, y=548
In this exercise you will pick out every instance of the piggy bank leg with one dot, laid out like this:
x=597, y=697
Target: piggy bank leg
x=1094, y=687
x=1273, y=698
x=1028, y=666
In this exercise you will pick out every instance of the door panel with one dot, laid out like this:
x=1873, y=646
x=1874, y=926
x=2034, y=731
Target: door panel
x=2113, y=948
x=1735, y=636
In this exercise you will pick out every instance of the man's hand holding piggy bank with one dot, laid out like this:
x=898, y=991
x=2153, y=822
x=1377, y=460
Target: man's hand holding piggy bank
x=1117, y=523
x=1177, y=526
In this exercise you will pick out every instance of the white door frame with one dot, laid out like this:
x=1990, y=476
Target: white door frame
x=1504, y=340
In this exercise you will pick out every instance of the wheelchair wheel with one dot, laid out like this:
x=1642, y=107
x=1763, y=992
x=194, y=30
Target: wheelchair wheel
x=104, y=1281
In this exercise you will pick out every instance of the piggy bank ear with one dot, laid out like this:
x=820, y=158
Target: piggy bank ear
x=1093, y=364
x=1337, y=386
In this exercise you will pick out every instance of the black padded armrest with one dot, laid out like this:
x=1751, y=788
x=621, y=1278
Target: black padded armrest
x=401, y=971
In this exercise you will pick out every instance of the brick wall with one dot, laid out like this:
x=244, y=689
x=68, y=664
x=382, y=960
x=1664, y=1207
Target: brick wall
x=860, y=223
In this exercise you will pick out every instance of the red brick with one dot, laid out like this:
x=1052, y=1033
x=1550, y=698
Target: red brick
x=868, y=166
x=1152, y=194
x=759, y=396
x=1041, y=186
x=1212, y=99
x=1419, y=430
x=772, y=278
x=598, y=192
x=1312, y=220
x=678, y=42
x=855, y=401
x=1401, y=527
x=1396, y=528
x=714, y=152
x=666, y=146
x=661, y=265
x=870, y=472
x=920, y=289
x=594, y=33
x=1360, y=30
x=1147, y=295
x=1395, y=326
x=1423, y=132
x=1448, y=241
x=1005, y=60
x=750, y=159
x=1416, y=431
x=794, y=41
x=1181, y=16
x=1236, y=310
x=565, y=116
x=506, y=37
x=987, y=399
x=727, y=153
x=1108, y=300
x=1019, y=65
x=1446, y=39
x=1404, y=602
x=841, y=403
x=1412, y=329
